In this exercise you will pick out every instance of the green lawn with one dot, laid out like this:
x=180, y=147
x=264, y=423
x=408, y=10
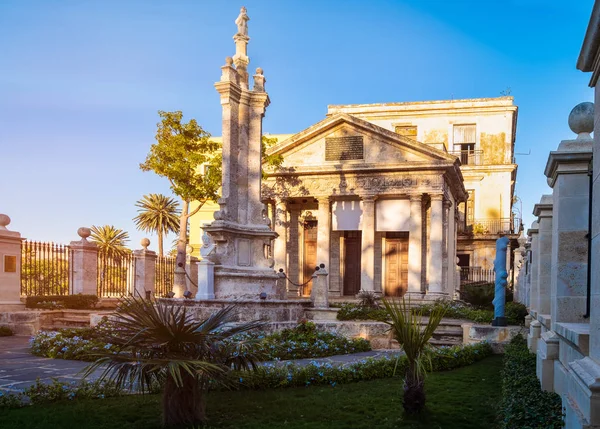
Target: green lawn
x=463, y=398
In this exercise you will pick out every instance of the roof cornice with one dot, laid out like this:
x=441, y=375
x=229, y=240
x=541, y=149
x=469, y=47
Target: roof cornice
x=589, y=56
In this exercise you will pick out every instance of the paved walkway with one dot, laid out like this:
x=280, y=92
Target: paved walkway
x=19, y=369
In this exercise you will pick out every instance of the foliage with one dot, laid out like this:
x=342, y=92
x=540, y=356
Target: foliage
x=367, y=299
x=405, y=326
x=54, y=302
x=111, y=241
x=479, y=295
x=524, y=404
x=458, y=310
x=303, y=341
x=44, y=275
x=5, y=331
x=157, y=214
x=162, y=344
x=515, y=313
x=280, y=375
x=350, y=311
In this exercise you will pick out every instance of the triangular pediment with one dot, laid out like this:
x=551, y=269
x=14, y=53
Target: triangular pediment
x=346, y=139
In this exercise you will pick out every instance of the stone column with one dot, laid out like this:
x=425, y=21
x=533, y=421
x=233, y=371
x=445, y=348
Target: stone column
x=533, y=289
x=280, y=243
x=367, y=273
x=567, y=172
x=84, y=264
x=323, y=232
x=320, y=290
x=293, y=248
x=543, y=211
x=415, y=251
x=10, y=267
x=519, y=264
x=436, y=243
x=145, y=264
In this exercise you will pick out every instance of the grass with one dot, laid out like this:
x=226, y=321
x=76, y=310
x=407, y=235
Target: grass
x=465, y=398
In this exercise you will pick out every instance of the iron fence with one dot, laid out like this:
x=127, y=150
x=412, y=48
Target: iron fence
x=490, y=226
x=116, y=275
x=469, y=157
x=164, y=275
x=471, y=275
x=45, y=268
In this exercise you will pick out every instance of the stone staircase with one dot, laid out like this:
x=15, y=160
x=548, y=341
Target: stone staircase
x=68, y=319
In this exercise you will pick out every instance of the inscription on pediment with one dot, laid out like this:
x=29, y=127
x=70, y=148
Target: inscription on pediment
x=344, y=148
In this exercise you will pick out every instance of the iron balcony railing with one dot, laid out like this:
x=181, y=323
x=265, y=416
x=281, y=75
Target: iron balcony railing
x=490, y=226
x=469, y=157
x=476, y=275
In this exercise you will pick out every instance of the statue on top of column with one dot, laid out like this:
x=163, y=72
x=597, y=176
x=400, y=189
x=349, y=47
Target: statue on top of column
x=242, y=22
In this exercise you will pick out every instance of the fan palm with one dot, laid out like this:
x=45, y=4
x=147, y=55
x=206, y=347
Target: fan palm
x=158, y=214
x=405, y=326
x=111, y=241
x=162, y=344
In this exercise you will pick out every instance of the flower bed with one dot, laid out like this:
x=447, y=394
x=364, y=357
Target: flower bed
x=524, y=404
x=269, y=375
x=303, y=341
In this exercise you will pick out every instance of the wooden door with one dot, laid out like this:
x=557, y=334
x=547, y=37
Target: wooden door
x=310, y=254
x=352, y=262
x=396, y=264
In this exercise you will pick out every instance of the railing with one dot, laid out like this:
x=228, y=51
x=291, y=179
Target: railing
x=45, y=268
x=469, y=157
x=470, y=275
x=116, y=275
x=490, y=226
x=164, y=275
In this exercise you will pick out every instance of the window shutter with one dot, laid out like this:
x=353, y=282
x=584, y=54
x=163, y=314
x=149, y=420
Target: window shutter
x=464, y=134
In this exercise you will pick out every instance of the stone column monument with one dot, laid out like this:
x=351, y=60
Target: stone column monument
x=241, y=231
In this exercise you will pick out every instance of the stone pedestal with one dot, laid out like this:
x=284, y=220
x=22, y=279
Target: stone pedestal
x=320, y=292
x=535, y=330
x=206, y=280
x=547, y=353
x=191, y=268
x=84, y=264
x=10, y=267
x=145, y=275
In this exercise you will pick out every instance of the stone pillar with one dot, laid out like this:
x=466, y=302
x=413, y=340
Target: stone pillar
x=320, y=289
x=280, y=243
x=206, y=280
x=519, y=265
x=323, y=232
x=543, y=211
x=10, y=267
x=415, y=238
x=367, y=272
x=293, y=248
x=145, y=264
x=191, y=279
x=567, y=172
x=535, y=330
x=84, y=264
x=436, y=243
x=533, y=289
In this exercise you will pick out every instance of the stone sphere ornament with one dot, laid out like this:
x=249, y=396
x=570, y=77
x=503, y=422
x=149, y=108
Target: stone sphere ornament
x=581, y=119
x=4, y=221
x=145, y=243
x=84, y=232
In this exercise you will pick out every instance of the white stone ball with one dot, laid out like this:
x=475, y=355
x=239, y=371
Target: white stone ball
x=4, y=221
x=145, y=243
x=581, y=118
x=84, y=232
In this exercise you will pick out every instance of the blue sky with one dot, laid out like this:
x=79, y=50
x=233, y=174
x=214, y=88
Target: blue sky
x=81, y=83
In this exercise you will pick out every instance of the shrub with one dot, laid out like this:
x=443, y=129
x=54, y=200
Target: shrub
x=524, y=404
x=54, y=302
x=5, y=331
x=478, y=294
x=458, y=310
x=515, y=313
x=368, y=299
x=351, y=311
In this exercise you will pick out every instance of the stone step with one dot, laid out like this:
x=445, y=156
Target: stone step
x=71, y=322
x=445, y=342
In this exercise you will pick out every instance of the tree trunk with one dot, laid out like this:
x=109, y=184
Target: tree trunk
x=185, y=405
x=180, y=286
x=160, y=243
x=414, y=393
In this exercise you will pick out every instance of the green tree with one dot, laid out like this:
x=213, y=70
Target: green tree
x=180, y=154
x=405, y=326
x=162, y=345
x=111, y=241
x=158, y=214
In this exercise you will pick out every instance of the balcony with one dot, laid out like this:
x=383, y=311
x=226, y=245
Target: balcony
x=476, y=275
x=490, y=226
x=469, y=157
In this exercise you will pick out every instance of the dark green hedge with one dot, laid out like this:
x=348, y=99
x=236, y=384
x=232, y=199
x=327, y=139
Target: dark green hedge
x=5, y=331
x=57, y=302
x=524, y=404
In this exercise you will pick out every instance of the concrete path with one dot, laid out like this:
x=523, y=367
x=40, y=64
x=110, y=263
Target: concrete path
x=19, y=369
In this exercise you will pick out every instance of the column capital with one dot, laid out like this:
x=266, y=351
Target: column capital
x=436, y=197
x=323, y=199
x=416, y=198
x=447, y=204
x=368, y=198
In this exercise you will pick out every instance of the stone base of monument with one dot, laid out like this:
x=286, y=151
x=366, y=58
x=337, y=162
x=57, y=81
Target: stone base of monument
x=324, y=314
x=499, y=321
x=498, y=336
x=272, y=310
x=246, y=283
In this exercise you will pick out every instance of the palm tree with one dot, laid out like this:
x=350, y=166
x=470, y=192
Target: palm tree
x=111, y=241
x=161, y=344
x=405, y=326
x=158, y=214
